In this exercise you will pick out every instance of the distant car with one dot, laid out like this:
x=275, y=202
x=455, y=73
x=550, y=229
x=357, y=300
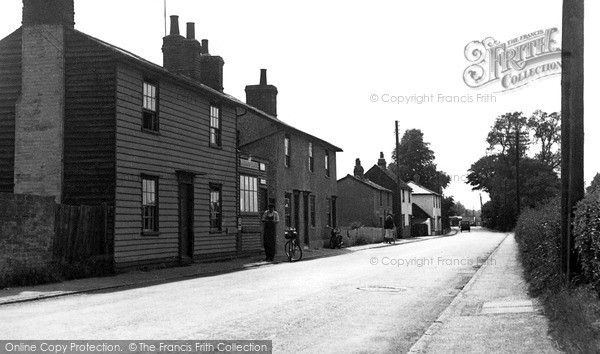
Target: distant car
x=465, y=225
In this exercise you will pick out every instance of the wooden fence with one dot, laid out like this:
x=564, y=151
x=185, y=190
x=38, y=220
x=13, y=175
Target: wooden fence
x=80, y=232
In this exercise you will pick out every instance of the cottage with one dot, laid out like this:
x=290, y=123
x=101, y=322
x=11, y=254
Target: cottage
x=89, y=123
x=429, y=204
x=301, y=169
x=401, y=201
x=362, y=200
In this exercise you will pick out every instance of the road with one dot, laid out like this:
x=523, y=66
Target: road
x=373, y=300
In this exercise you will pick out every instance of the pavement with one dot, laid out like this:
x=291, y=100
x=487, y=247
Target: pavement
x=492, y=314
x=157, y=276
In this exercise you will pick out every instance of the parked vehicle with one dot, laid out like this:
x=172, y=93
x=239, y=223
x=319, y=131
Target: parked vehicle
x=465, y=226
x=335, y=241
x=292, y=248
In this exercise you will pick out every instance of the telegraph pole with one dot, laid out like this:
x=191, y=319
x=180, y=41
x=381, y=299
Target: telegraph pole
x=517, y=167
x=572, y=184
x=399, y=212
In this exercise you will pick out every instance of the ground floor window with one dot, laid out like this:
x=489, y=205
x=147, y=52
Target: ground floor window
x=287, y=204
x=313, y=222
x=215, y=208
x=248, y=194
x=149, y=204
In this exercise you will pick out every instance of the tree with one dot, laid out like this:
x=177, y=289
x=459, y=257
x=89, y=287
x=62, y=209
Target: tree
x=416, y=162
x=458, y=209
x=595, y=185
x=546, y=132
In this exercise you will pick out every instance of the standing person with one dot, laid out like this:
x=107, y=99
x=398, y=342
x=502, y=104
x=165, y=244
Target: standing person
x=388, y=225
x=270, y=218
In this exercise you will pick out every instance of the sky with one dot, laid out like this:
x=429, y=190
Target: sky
x=338, y=65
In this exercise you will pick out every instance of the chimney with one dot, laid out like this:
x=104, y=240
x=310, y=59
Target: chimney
x=49, y=12
x=40, y=109
x=191, y=31
x=416, y=178
x=263, y=96
x=381, y=162
x=359, y=171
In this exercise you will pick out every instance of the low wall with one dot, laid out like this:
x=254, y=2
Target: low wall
x=26, y=230
x=368, y=234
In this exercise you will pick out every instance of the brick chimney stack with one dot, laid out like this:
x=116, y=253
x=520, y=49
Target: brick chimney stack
x=359, y=171
x=186, y=56
x=381, y=162
x=263, y=96
x=39, y=123
x=49, y=12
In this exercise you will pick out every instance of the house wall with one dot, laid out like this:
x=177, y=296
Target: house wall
x=426, y=202
x=182, y=144
x=89, y=132
x=10, y=90
x=295, y=179
x=359, y=202
x=379, y=177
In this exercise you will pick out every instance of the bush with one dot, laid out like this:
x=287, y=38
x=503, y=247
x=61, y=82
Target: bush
x=355, y=225
x=587, y=238
x=538, y=234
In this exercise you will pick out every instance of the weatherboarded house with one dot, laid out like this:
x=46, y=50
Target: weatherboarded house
x=89, y=123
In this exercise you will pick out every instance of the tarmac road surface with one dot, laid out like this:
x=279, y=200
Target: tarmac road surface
x=374, y=300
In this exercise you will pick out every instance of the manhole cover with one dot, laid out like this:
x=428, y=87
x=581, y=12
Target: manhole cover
x=382, y=289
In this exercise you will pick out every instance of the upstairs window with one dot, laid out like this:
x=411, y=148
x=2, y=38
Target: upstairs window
x=287, y=147
x=403, y=196
x=215, y=125
x=311, y=160
x=327, y=173
x=149, y=204
x=149, y=107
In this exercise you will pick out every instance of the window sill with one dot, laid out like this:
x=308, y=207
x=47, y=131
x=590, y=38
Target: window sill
x=215, y=146
x=150, y=131
x=149, y=233
x=215, y=231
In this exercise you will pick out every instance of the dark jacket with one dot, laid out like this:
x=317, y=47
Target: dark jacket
x=388, y=223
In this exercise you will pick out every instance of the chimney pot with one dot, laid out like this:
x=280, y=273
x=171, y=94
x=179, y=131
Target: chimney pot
x=359, y=171
x=205, y=46
x=174, y=25
x=263, y=77
x=191, y=31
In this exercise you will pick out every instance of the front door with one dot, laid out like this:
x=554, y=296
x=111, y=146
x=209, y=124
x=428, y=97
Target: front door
x=186, y=220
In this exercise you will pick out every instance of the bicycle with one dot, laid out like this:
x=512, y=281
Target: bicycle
x=292, y=248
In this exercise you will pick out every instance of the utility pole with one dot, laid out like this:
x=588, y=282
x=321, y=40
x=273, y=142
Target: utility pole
x=517, y=166
x=399, y=212
x=572, y=183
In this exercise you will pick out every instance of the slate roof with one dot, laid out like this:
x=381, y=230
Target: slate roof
x=419, y=213
x=367, y=182
x=419, y=189
x=135, y=59
x=393, y=177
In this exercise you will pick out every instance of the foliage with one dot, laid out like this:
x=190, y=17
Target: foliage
x=416, y=162
x=587, y=237
x=573, y=311
x=538, y=235
x=595, y=185
x=458, y=209
x=496, y=173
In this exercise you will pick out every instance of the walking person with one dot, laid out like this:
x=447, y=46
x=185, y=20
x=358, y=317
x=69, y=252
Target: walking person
x=270, y=218
x=388, y=226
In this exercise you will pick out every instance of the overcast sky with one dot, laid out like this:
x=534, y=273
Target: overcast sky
x=328, y=59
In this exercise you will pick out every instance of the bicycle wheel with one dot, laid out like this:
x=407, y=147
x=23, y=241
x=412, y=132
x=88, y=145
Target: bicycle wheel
x=293, y=251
